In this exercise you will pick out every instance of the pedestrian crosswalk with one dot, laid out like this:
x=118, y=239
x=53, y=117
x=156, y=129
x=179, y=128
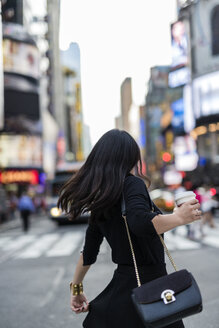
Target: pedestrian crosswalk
x=179, y=240
x=38, y=247
x=34, y=246
x=60, y=244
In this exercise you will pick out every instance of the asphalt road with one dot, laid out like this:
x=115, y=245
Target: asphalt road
x=34, y=282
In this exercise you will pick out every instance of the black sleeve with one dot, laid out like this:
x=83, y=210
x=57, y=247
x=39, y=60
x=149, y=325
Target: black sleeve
x=138, y=207
x=93, y=240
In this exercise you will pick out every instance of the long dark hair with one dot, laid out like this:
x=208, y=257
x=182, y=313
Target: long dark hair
x=99, y=182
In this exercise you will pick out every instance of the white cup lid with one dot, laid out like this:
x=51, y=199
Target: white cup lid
x=184, y=194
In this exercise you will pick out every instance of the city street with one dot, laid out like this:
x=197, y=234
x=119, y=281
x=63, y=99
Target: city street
x=92, y=93
x=35, y=270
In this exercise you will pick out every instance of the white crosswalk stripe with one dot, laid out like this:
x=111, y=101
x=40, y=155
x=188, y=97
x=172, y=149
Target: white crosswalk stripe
x=177, y=242
x=60, y=244
x=18, y=243
x=35, y=246
x=4, y=240
x=38, y=247
x=66, y=245
x=212, y=241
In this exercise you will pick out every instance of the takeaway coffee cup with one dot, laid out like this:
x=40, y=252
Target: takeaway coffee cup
x=183, y=197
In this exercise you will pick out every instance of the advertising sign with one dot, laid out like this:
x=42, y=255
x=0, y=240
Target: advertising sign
x=172, y=177
x=19, y=176
x=179, y=44
x=20, y=151
x=50, y=134
x=180, y=72
x=21, y=106
x=189, y=121
x=206, y=95
x=21, y=58
x=154, y=115
x=179, y=77
x=186, y=157
x=1, y=79
x=178, y=116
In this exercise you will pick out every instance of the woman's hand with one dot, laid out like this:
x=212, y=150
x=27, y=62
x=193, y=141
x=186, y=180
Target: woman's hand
x=79, y=303
x=188, y=211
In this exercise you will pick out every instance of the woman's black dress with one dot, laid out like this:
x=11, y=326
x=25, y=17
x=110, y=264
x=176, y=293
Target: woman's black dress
x=113, y=307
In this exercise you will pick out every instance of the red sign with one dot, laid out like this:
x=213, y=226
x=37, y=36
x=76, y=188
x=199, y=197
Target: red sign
x=21, y=176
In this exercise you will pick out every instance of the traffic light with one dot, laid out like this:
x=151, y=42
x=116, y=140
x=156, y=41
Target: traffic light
x=166, y=157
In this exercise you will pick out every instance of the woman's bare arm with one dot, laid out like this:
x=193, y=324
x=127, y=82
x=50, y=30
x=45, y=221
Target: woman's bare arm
x=186, y=213
x=79, y=303
x=80, y=271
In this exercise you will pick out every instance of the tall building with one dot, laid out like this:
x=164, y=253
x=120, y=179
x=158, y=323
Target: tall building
x=54, y=70
x=200, y=95
x=76, y=132
x=126, y=102
x=158, y=118
x=24, y=142
x=132, y=117
x=21, y=135
x=36, y=21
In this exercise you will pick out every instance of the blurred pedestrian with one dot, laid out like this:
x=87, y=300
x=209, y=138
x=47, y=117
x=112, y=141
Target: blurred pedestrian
x=26, y=207
x=207, y=204
x=99, y=185
x=37, y=203
x=13, y=203
x=3, y=205
x=196, y=229
x=43, y=205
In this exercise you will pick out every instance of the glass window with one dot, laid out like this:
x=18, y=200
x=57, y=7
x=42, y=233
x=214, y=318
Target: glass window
x=215, y=30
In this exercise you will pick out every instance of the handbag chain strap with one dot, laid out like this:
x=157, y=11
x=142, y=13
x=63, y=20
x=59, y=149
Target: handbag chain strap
x=168, y=253
x=133, y=253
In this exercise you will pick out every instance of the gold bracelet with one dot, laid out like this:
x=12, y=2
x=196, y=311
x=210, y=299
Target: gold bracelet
x=76, y=289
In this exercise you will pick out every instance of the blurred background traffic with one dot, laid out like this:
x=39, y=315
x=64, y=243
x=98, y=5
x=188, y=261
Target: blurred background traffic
x=45, y=138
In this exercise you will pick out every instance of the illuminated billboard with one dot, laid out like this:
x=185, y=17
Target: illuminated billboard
x=189, y=121
x=21, y=58
x=1, y=80
x=186, y=157
x=21, y=106
x=179, y=77
x=178, y=116
x=206, y=95
x=179, y=44
x=19, y=176
x=179, y=73
x=20, y=151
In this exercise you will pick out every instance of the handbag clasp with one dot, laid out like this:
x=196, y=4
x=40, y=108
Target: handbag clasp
x=168, y=296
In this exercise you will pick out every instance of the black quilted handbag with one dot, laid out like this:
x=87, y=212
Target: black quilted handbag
x=167, y=299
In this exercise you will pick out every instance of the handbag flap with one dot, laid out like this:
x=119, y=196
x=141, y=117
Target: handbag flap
x=151, y=292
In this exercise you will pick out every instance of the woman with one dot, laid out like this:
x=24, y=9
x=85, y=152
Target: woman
x=98, y=187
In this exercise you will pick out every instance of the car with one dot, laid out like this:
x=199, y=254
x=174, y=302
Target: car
x=54, y=187
x=163, y=199
x=61, y=218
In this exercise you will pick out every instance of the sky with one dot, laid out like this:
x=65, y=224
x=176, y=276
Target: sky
x=117, y=39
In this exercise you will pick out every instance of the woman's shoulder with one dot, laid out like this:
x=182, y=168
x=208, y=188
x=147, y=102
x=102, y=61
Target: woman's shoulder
x=132, y=181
